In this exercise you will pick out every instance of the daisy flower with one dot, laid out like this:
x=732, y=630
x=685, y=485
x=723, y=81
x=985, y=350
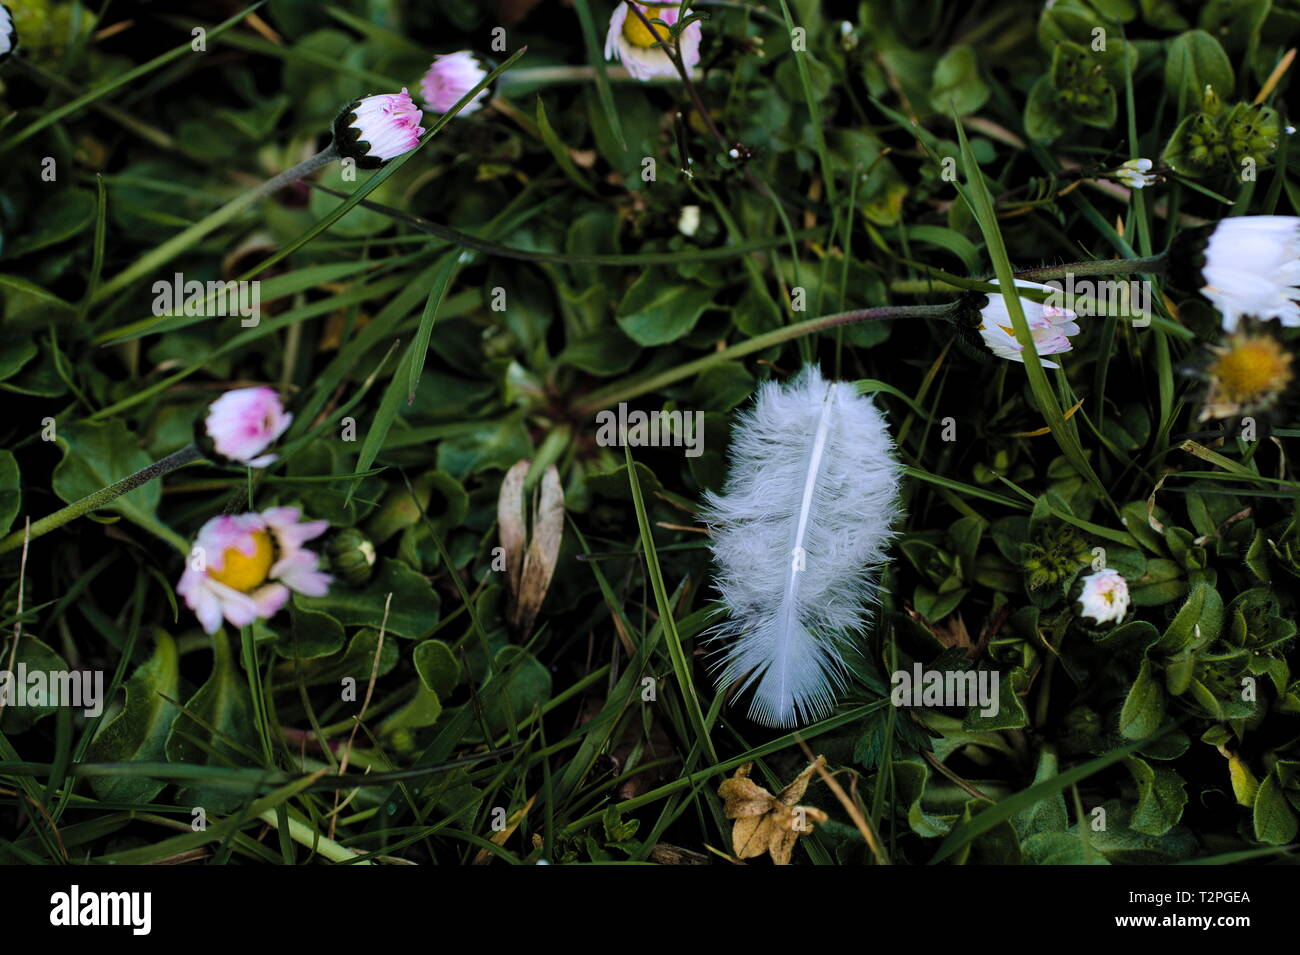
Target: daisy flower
x=241, y=424
x=1050, y=325
x=1104, y=597
x=449, y=78
x=8, y=34
x=244, y=566
x=375, y=129
x=633, y=44
x=1248, y=374
x=1248, y=265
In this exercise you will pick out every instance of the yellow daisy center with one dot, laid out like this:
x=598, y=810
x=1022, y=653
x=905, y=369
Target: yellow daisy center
x=1251, y=369
x=638, y=34
x=242, y=572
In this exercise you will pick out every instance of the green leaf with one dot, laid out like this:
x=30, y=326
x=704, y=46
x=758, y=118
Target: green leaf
x=216, y=728
x=957, y=84
x=1008, y=807
x=1161, y=584
x=560, y=151
x=1123, y=845
x=1198, y=621
x=1044, y=119
x=1048, y=815
x=423, y=709
x=11, y=498
x=1144, y=707
x=1196, y=60
x=97, y=455
x=413, y=613
x=139, y=733
x=1162, y=796
x=658, y=308
x=355, y=663
x=511, y=696
x=34, y=656
x=1275, y=821
x=311, y=635
x=437, y=666
x=1058, y=848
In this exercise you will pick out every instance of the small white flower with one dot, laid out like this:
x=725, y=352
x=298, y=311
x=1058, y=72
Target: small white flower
x=375, y=129
x=1136, y=174
x=245, y=565
x=689, y=221
x=449, y=78
x=629, y=41
x=1104, y=597
x=1050, y=325
x=8, y=34
x=1252, y=267
x=848, y=37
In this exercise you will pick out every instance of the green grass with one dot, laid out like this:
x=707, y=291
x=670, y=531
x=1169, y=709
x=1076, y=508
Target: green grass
x=478, y=300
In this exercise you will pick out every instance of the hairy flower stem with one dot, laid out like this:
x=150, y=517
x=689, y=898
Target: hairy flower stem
x=555, y=75
x=1152, y=264
x=625, y=391
x=157, y=258
x=101, y=497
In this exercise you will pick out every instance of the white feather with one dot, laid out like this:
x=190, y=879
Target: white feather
x=813, y=467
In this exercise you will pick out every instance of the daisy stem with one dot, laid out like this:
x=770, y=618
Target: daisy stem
x=1152, y=264
x=624, y=391
x=157, y=258
x=101, y=497
x=539, y=75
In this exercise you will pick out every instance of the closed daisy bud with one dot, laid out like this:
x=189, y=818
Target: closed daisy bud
x=8, y=35
x=1104, y=597
x=375, y=129
x=1249, y=373
x=244, y=566
x=1244, y=265
x=1050, y=325
x=632, y=43
x=243, y=423
x=352, y=556
x=449, y=78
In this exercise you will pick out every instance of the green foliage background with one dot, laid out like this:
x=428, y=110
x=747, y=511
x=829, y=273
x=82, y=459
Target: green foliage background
x=827, y=192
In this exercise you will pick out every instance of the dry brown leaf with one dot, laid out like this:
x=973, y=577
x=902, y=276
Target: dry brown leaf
x=766, y=823
x=529, y=572
x=510, y=523
x=665, y=854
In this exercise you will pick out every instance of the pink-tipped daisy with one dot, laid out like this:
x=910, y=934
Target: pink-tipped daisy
x=449, y=78
x=375, y=129
x=241, y=424
x=1050, y=325
x=244, y=566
